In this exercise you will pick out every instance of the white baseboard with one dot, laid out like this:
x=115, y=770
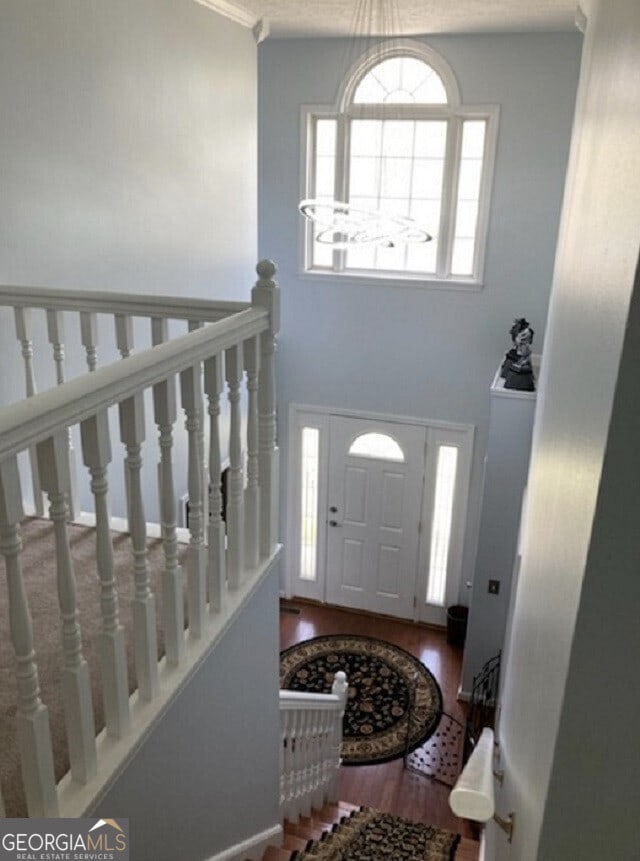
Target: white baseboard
x=252, y=847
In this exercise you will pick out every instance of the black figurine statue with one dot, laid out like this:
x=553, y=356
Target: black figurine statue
x=516, y=368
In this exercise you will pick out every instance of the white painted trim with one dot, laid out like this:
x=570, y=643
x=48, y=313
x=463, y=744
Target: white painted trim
x=76, y=799
x=232, y=11
x=389, y=48
x=252, y=847
x=383, y=417
x=437, y=432
x=454, y=113
x=297, y=420
x=129, y=304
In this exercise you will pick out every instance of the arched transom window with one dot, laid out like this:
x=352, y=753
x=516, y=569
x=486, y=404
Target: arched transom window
x=402, y=142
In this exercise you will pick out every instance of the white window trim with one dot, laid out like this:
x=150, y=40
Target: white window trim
x=453, y=112
x=438, y=433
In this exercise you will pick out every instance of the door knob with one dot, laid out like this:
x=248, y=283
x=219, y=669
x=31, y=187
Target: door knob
x=333, y=523
x=333, y=509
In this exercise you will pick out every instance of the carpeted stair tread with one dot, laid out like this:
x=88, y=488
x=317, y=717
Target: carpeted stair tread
x=369, y=835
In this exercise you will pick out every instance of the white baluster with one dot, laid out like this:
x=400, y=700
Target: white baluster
x=297, y=769
x=34, y=737
x=325, y=757
x=191, y=387
x=76, y=687
x=89, y=336
x=235, y=492
x=252, y=491
x=132, y=434
x=55, y=331
x=24, y=335
x=124, y=342
x=165, y=413
x=217, y=568
x=193, y=325
x=304, y=805
x=124, y=334
x=266, y=294
x=285, y=759
x=96, y=450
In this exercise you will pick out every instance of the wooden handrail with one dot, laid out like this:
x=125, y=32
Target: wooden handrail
x=132, y=304
x=35, y=419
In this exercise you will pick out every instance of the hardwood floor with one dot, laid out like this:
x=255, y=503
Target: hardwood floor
x=389, y=787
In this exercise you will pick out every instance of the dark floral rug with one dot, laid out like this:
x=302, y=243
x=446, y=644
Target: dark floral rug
x=379, y=722
x=368, y=835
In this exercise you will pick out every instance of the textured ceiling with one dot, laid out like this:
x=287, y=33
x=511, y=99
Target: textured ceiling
x=336, y=17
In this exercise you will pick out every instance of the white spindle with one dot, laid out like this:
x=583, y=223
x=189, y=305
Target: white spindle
x=124, y=334
x=216, y=570
x=191, y=387
x=297, y=775
x=267, y=295
x=252, y=491
x=96, y=450
x=89, y=336
x=193, y=325
x=132, y=434
x=304, y=801
x=53, y=463
x=165, y=413
x=235, y=491
x=24, y=335
x=34, y=737
x=55, y=331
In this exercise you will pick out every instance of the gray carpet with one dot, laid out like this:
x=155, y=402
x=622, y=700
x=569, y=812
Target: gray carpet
x=38, y=561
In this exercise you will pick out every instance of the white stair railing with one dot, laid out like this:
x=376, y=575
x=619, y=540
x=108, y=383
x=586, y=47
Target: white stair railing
x=223, y=341
x=311, y=730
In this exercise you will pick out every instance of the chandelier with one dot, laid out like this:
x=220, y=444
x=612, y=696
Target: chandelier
x=338, y=223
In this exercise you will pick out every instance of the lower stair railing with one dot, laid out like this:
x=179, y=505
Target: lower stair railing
x=311, y=726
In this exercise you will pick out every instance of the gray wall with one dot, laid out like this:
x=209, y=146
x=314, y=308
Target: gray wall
x=128, y=158
x=205, y=779
x=422, y=352
x=506, y=471
x=571, y=695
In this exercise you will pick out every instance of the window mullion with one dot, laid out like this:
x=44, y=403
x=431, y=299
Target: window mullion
x=449, y=196
x=341, y=179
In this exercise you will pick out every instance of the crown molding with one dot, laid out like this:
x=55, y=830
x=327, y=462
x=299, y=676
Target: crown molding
x=233, y=11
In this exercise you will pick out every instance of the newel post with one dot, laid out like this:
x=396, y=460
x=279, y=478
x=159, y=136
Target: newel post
x=339, y=688
x=266, y=294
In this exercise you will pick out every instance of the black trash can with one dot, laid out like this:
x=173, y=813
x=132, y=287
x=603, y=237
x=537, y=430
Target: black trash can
x=457, y=617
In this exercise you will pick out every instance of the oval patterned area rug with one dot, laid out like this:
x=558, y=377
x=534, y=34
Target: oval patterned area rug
x=379, y=723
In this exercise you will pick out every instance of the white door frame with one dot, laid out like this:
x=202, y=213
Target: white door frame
x=303, y=415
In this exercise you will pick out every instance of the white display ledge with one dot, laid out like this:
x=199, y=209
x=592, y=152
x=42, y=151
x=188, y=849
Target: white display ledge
x=498, y=389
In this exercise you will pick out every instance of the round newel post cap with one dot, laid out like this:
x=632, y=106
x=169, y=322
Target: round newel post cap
x=266, y=270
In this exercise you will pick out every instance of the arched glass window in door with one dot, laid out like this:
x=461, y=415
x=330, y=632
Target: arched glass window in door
x=377, y=445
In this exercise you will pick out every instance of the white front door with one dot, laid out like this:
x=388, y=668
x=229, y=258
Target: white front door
x=376, y=472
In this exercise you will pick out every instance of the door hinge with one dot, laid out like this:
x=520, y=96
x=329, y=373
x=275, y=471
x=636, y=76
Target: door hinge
x=415, y=602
